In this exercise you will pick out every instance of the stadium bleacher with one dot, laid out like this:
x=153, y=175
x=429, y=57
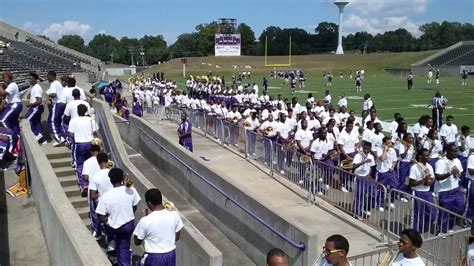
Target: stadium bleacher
x=461, y=55
x=22, y=58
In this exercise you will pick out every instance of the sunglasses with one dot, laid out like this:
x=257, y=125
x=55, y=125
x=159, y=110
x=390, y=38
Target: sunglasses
x=327, y=252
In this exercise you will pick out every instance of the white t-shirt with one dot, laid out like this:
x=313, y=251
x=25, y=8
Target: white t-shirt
x=304, y=136
x=417, y=174
x=284, y=129
x=100, y=182
x=83, y=128
x=66, y=95
x=232, y=115
x=13, y=93
x=400, y=260
x=410, y=153
x=158, y=230
x=313, y=124
x=36, y=92
x=449, y=132
x=442, y=168
x=118, y=204
x=327, y=98
x=273, y=125
x=71, y=108
x=348, y=141
x=470, y=165
x=385, y=165
x=438, y=147
x=367, y=104
x=342, y=102
x=393, y=127
x=467, y=146
x=253, y=123
x=55, y=88
x=90, y=167
x=376, y=140
x=320, y=147
x=364, y=169
x=470, y=255
x=367, y=135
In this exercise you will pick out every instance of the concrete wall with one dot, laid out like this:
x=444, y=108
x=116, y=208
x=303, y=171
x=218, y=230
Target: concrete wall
x=120, y=71
x=193, y=248
x=422, y=72
x=247, y=233
x=68, y=240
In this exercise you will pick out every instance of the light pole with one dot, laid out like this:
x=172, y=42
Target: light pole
x=340, y=4
x=143, y=58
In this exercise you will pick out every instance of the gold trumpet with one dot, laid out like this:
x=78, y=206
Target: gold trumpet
x=97, y=141
x=169, y=206
x=246, y=125
x=268, y=130
x=387, y=258
x=128, y=183
x=333, y=155
x=235, y=119
x=304, y=159
x=346, y=164
x=451, y=166
x=291, y=145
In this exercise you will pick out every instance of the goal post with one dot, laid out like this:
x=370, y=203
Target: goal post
x=277, y=65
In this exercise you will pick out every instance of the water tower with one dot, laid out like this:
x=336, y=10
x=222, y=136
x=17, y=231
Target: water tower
x=340, y=4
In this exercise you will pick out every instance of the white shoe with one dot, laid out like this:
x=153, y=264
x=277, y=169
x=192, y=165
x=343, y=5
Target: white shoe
x=326, y=186
x=450, y=231
x=392, y=206
x=404, y=200
x=367, y=213
x=434, y=195
x=320, y=180
x=320, y=193
x=44, y=143
x=300, y=182
x=111, y=246
x=254, y=154
x=381, y=209
x=344, y=189
x=61, y=141
x=360, y=218
x=38, y=137
x=95, y=236
x=282, y=172
x=248, y=155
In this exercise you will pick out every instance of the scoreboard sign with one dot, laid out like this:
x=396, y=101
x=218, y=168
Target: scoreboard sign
x=227, y=45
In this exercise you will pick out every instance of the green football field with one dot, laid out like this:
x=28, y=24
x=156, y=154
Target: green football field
x=389, y=92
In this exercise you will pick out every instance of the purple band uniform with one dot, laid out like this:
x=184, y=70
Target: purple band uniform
x=122, y=237
x=423, y=214
x=34, y=116
x=162, y=259
x=81, y=154
x=9, y=116
x=452, y=200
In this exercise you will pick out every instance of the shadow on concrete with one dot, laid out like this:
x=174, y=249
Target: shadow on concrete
x=4, y=246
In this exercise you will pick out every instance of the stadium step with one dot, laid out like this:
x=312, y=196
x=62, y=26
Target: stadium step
x=60, y=162
x=78, y=201
x=67, y=181
x=83, y=212
x=72, y=191
x=231, y=254
x=64, y=171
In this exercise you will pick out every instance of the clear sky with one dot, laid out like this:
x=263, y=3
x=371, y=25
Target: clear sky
x=170, y=18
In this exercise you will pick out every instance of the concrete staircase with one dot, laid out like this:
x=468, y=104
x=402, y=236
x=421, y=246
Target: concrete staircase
x=60, y=159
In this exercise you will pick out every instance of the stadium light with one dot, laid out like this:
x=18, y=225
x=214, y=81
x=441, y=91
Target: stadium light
x=340, y=4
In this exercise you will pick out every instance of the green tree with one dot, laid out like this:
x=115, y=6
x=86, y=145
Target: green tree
x=44, y=37
x=74, y=42
x=206, y=37
x=103, y=45
x=247, y=39
x=185, y=45
x=326, y=36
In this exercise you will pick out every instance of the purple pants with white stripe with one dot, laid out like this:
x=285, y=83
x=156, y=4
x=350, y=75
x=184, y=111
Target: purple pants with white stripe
x=345, y=178
x=470, y=199
x=95, y=222
x=423, y=213
x=8, y=144
x=122, y=237
x=161, y=259
x=34, y=116
x=452, y=200
x=9, y=116
x=54, y=120
x=387, y=179
x=403, y=172
x=187, y=142
x=81, y=154
x=365, y=196
x=463, y=164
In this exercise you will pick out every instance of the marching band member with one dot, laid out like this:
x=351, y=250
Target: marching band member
x=407, y=152
x=36, y=109
x=304, y=139
x=82, y=130
x=158, y=230
x=116, y=208
x=71, y=111
x=448, y=132
x=99, y=183
x=386, y=174
x=251, y=125
x=332, y=115
x=368, y=132
x=137, y=107
x=184, y=132
x=266, y=112
x=362, y=165
x=372, y=117
x=268, y=130
x=284, y=137
x=397, y=117
x=342, y=101
x=399, y=134
x=377, y=137
x=421, y=176
x=55, y=108
x=343, y=116
x=10, y=114
x=346, y=145
x=463, y=142
x=234, y=117
x=433, y=145
x=321, y=149
x=447, y=172
x=366, y=106
x=470, y=187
